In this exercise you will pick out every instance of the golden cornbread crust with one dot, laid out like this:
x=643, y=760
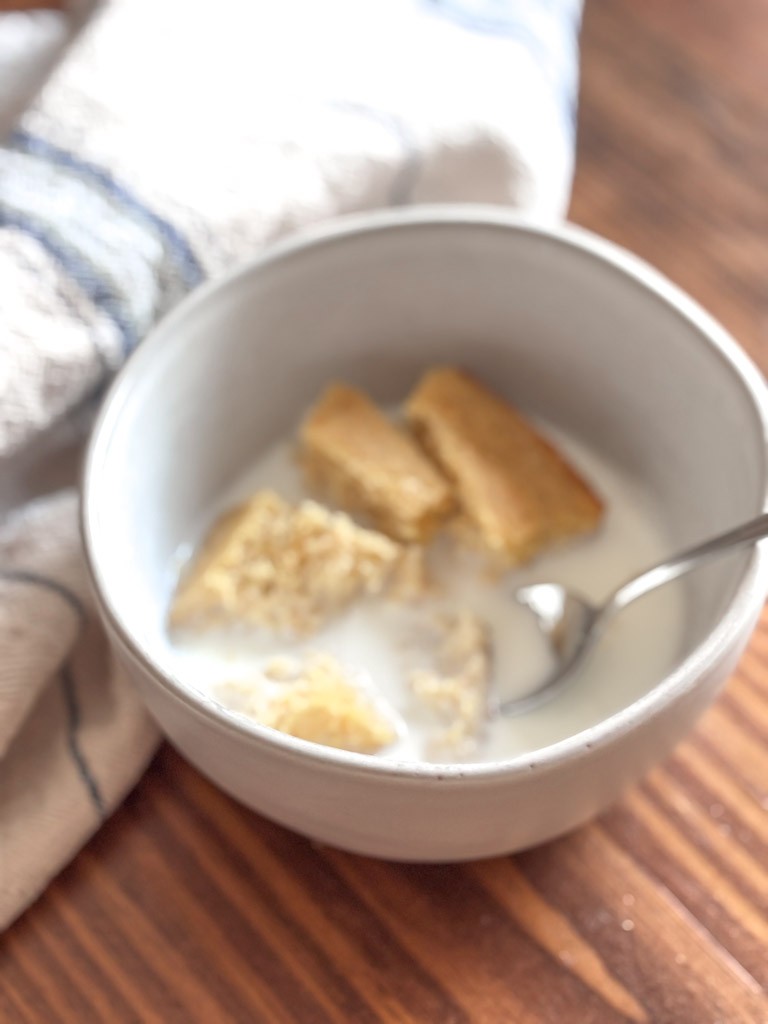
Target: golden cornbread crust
x=288, y=568
x=364, y=463
x=515, y=488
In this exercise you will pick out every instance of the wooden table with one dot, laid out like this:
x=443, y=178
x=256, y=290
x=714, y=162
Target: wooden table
x=188, y=908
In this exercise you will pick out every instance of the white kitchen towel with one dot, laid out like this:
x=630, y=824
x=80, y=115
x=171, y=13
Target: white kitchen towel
x=175, y=140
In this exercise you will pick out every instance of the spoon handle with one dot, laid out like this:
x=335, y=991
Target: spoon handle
x=692, y=558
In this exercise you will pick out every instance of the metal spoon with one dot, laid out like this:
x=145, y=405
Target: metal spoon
x=572, y=625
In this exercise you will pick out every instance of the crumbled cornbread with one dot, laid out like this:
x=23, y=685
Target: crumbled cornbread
x=287, y=568
x=456, y=687
x=320, y=704
x=517, y=491
x=367, y=465
x=281, y=668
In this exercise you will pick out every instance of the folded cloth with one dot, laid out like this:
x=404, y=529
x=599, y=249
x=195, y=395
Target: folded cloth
x=175, y=140
x=31, y=42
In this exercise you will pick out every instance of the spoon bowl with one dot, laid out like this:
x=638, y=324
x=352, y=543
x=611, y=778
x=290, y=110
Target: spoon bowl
x=568, y=621
x=572, y=625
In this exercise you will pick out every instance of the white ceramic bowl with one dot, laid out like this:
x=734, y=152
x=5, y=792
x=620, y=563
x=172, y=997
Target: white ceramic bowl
x=567, y=325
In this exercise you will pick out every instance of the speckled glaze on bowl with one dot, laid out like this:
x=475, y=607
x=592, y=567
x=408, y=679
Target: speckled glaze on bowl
x=566, y=325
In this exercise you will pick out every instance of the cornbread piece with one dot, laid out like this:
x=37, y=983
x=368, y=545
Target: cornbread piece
x=456, y=687
x=322, y=705
x=517, y=491
x=367, y=465
x=289, y=569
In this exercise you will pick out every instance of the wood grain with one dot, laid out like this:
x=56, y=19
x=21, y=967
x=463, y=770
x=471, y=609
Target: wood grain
x=32, y=5
x=188, y=908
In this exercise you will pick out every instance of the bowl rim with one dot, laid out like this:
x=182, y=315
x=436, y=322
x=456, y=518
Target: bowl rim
x=738, y=616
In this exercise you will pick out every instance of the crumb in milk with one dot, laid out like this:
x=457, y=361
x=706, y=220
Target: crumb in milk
x=282, y=669
x=455, y=686
x=316, y=700
x=411, y=580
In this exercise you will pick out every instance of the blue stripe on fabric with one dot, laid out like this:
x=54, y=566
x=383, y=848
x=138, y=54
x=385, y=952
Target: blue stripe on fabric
x=98, y=290
x=507, y=21
x=35, y=146
x=36, y=580
x=69, y=691
x=514, y=27
x=72, y=707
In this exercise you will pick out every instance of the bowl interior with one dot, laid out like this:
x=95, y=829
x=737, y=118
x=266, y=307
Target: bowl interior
x=547, y=320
